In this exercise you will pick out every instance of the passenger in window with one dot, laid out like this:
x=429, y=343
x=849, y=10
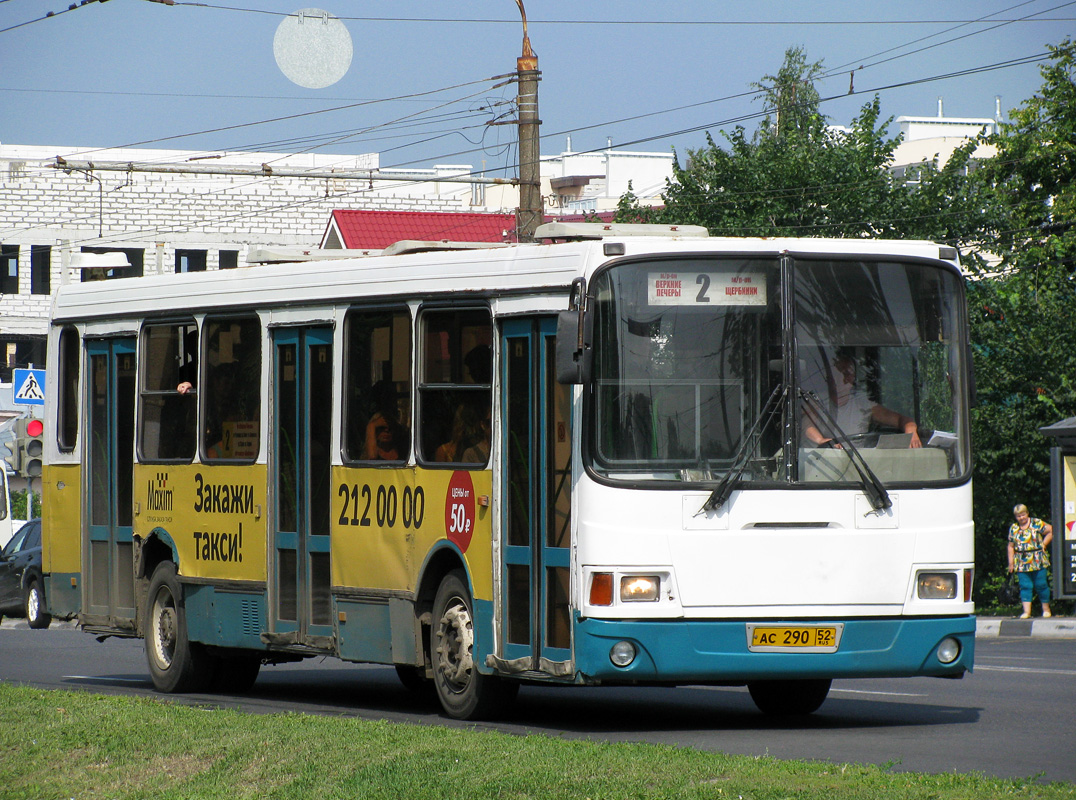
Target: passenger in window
x=386, y=438
x=852, y=410
x=479, y=363
x=466, y=435
x=478, y=453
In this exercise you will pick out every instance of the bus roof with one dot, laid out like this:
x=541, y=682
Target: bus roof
x=517, y=269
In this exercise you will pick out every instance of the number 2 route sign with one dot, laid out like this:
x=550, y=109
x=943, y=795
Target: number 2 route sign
x=29, y=386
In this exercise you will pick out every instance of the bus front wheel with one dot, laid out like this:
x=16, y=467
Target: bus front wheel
x=175, y=663
x=464, y=692
x=789, y=698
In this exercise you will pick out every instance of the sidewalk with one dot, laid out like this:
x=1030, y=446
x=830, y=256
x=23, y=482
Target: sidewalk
x=1052, y=628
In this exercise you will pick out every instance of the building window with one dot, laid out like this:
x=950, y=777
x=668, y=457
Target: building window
x=134, y=258
x=40, y=269
x=229, y=259
x=9, y=269
x=19, y=352
x=190, y=261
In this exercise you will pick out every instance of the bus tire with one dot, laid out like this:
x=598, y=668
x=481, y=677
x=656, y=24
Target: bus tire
x=464, y=692
x=36, y=615
x=175, y=663
x=789, y=698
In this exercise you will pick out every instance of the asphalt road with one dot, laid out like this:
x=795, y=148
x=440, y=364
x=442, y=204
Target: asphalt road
x=1011, y=718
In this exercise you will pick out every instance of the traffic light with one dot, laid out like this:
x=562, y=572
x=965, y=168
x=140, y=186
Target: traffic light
x=9, y=452
x=29, y=439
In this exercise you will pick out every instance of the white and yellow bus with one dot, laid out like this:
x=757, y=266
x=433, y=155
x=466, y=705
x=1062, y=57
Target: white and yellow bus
x=625, y=454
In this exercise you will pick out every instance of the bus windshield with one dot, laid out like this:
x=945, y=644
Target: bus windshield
x=864, y=355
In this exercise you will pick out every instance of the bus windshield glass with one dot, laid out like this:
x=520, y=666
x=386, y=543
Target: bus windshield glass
x=701, y=367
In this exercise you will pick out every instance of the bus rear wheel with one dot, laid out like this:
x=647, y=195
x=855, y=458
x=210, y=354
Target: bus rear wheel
x=175, y=663
x=464, y=692
x=789, y=698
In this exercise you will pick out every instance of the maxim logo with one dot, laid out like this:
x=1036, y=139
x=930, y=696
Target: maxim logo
x=159, y=496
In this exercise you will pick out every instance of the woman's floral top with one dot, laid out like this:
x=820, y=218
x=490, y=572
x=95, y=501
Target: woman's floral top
x=1027, y=543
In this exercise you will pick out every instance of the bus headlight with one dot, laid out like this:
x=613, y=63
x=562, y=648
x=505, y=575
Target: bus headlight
x=639, y=588
x=936, y=585
x=622, y=654
x=949, y=650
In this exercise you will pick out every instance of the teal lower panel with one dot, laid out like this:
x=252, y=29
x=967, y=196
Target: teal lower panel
x=63, y=594
x=366, y=633
x=686, y=651
x=225, y=618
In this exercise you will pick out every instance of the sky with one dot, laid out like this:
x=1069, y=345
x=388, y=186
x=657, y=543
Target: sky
x=426, y=78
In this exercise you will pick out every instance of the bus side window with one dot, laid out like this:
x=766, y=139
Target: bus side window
x=67, y=424
x=231, y=396
x=169, y=376
x=377, y=425
x=455, y=393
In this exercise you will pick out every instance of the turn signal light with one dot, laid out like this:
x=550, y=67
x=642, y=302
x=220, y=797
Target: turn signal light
x=601, y=589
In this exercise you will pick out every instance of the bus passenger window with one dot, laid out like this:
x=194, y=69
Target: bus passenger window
x=169, y=368
x=231, y=396
x=377, y=425
x=67, y=424
x=456, y=391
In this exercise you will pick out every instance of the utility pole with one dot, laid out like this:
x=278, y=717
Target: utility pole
x=531, y=212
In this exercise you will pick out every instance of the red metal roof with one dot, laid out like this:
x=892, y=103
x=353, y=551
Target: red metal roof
x=368, y=229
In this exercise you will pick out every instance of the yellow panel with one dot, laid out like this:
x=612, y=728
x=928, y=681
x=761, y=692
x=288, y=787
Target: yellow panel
x=386, y=521
x=216, y=515
x=61, y=518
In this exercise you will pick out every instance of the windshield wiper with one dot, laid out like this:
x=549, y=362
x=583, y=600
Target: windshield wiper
x=721, y=493
x=872, y=484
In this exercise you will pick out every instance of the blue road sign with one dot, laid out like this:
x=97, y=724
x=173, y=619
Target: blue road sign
x=29, y=386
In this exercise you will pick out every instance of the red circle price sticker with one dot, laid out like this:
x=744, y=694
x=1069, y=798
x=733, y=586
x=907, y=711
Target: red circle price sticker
x=460, y=510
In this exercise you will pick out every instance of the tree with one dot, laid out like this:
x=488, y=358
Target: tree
x=1024, y=318
x=798, y=176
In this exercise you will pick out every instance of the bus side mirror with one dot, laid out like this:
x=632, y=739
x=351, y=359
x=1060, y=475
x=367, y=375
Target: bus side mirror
x=575, y=354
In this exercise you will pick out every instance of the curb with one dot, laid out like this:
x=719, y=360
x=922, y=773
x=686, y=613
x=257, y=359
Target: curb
x=1038, y=628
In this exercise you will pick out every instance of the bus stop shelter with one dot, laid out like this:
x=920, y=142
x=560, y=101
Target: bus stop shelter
x=1063, y=504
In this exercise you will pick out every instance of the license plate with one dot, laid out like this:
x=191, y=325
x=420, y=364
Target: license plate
x=797, y=638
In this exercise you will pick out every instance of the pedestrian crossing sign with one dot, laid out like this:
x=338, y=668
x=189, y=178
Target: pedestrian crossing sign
x=29, y=386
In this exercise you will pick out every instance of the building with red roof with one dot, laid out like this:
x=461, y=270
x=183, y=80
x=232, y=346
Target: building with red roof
x=368, y=229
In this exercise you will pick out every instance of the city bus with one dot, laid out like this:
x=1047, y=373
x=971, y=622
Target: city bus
x=621, y=455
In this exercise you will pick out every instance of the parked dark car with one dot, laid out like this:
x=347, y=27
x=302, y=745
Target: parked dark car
x=22, y=591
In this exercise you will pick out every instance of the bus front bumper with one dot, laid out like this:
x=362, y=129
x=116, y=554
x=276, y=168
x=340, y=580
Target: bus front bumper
x=701, y=651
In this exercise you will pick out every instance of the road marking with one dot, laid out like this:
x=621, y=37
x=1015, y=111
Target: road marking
x=984, y=668
x=885, y=694
x=101, y=678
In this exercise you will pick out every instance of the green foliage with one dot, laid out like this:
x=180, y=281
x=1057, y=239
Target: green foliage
x=18, y=504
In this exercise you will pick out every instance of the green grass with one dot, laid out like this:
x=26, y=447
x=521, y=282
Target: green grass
x=78, y=745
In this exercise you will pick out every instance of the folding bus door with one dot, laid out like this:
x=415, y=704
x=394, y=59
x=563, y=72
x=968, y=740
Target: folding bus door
x=536, y=522
x=108, y=551
x=300, y=476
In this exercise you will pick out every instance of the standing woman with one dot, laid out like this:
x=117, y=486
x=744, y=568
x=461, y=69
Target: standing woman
x=1029, y=559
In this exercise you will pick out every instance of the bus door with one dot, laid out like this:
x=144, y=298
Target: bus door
x=300, y=475
x=108, y=582
x=536, y=521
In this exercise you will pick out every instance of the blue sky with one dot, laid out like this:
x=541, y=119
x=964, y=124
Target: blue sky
x=419, y=89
